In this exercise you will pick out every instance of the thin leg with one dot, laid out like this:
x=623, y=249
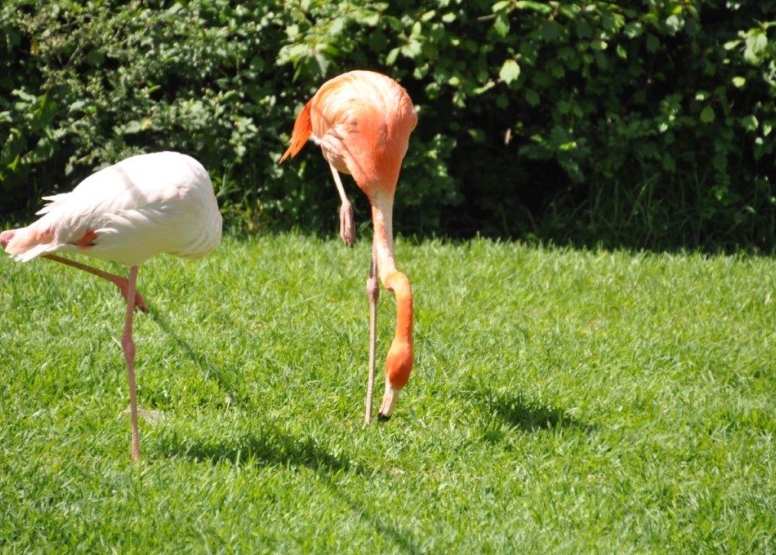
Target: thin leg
x=347, y=228
x=128, y=344
x=373, y=293
x=121, y=282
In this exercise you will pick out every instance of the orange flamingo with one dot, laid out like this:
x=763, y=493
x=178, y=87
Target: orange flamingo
x=128, y=212
x=362, y=120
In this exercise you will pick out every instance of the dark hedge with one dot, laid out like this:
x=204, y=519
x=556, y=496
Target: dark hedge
x=640, y=124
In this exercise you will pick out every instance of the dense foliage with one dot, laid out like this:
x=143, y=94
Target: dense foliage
x=645, y=123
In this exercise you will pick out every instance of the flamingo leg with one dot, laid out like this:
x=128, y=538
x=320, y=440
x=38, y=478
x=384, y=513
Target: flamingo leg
x=128, y=345
x=373, y=293
x=347, y=227
x=121, y=282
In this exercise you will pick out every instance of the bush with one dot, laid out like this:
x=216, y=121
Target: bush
x=638, y=123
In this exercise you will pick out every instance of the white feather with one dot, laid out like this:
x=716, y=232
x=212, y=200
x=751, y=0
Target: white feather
x=142, y=206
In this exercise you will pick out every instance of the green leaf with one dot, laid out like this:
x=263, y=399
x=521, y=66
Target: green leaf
x=756, y=43
x=674, y=24
x=633, y=29
x=501, y=25
x=390, y=59
x=371, y=19
x=739, y=82
x=731, y=44
x=411, y=49
x=584, y=30
x=652, y=43
x=750, y=123
x=477, y=134
x=707, y=114
x=132, y=127
x=484, y=88
x=550, y=31
x=510, y=71
x=542, y=79
x=534, y=6
x=567, y=146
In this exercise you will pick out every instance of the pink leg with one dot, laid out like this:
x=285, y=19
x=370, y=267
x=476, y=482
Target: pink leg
x=121, y=282
x=373, y=293
x=128, y=344
x=347, y=228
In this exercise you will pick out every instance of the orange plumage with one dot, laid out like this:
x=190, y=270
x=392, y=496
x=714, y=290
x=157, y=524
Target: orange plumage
x=302, y=130
x=362, y=121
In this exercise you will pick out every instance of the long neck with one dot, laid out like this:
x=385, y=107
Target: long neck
x=402, y=290
x=399, y=361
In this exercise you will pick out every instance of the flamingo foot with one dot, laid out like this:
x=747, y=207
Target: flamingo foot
x=140, y=303
x=347, y=227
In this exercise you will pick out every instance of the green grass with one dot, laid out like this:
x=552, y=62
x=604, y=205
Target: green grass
x=563, y=401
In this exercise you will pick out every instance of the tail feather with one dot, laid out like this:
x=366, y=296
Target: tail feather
x=52, y=201
x=303, y=128
x=34, y=252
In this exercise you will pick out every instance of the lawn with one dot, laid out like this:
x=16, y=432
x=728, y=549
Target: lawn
x=563, y=401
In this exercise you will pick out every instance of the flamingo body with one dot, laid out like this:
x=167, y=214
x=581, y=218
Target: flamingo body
x=142, y=206
x=128, y=212
x=362, y=121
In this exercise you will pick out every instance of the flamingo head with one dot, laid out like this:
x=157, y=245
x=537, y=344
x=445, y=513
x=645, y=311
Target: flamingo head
x=398, y=366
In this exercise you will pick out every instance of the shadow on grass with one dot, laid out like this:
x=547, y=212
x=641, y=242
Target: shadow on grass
x=381, y=525
x=271, y=447
x=521, y=413
x=225, y=382
x=266, y=447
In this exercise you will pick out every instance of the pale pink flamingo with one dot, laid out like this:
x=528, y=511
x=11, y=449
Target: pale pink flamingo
x=142, y=206
x=362, y=120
